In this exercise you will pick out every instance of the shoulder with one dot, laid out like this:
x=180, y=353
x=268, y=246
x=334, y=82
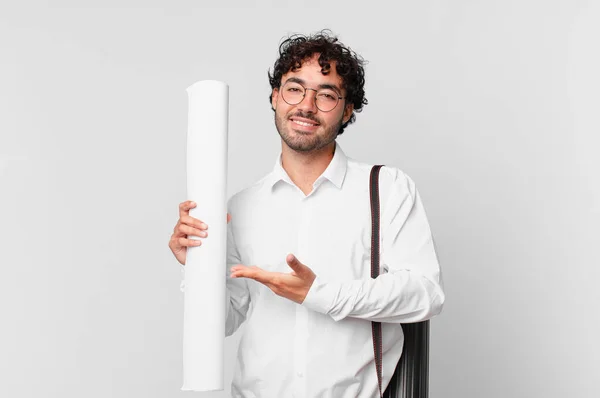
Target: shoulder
x=397, y=181
x=247, y=195
x=392, y=179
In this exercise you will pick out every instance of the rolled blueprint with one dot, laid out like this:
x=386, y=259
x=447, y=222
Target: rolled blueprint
x=204, y=302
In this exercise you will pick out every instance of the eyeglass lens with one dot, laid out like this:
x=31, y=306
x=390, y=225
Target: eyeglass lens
x=293, y=93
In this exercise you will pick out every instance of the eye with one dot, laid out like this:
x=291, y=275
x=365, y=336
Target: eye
x=327, y=96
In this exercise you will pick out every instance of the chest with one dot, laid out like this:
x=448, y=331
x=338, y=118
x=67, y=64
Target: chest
x=329, y=234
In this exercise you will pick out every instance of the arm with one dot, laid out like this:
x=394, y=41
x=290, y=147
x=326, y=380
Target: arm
x=410, y=289
x=238, y=295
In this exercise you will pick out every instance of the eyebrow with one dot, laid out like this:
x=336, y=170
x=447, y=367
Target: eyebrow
x=329, y=86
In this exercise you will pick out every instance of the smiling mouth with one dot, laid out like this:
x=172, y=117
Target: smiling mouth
x=303, y=123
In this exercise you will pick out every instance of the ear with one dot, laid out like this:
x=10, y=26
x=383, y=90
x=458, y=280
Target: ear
x=274, y=97
x=348, y=112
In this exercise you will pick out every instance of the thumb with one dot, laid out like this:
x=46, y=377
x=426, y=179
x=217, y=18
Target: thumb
x=294, y=263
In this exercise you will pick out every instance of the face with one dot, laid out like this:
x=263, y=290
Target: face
x=303, y=127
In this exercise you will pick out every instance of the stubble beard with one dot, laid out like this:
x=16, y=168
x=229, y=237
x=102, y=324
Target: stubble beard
x=306, y=142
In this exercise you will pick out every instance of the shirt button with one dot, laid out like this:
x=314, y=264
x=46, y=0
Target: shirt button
x=299, y=374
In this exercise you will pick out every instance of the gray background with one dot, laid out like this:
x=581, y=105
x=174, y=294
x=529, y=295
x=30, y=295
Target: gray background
x=491, y=107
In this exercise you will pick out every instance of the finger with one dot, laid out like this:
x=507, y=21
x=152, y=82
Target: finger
x=241, y=270
x=184, y=207
x=252, y=272
x=185, y=230
x=184, y=242
x=228, y=218
x=184, y=224
x=240, y=267
x=193, y=222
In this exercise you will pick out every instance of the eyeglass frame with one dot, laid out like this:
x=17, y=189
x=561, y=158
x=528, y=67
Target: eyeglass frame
x=293, y=80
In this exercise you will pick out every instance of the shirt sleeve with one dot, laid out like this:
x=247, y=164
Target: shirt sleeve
x=237, y=293
x=409, y=288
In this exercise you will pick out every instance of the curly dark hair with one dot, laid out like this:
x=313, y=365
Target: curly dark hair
x=349, y=65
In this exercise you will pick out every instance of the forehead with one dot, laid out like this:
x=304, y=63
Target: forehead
x=310, y=72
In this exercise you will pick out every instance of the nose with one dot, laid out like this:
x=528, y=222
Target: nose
x=308, y=103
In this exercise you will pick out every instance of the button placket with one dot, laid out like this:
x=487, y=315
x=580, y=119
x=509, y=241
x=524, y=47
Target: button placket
x=301, y=329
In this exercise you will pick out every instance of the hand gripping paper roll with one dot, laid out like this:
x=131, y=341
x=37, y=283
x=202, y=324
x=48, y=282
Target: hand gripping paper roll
x=204, y=299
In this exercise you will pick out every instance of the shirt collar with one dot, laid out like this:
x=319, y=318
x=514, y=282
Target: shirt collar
x=335, y=171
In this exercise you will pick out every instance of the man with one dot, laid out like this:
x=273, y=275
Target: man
x=299, y=244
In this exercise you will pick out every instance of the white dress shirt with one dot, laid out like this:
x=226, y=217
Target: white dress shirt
x=323, y=347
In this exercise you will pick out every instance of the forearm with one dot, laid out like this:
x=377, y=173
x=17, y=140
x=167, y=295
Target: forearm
x=400, y=297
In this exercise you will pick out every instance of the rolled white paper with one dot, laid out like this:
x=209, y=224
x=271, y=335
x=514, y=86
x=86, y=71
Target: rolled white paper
x=204, y=302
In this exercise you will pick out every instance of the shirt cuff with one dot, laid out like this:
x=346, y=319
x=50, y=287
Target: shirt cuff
x=320, y=297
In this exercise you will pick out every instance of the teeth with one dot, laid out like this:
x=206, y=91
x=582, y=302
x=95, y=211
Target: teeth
x=303, y=123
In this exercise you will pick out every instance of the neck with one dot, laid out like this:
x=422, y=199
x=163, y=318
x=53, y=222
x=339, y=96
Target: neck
x=305, y=167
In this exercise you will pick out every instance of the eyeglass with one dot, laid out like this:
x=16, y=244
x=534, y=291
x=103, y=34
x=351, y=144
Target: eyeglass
x=326, y=99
